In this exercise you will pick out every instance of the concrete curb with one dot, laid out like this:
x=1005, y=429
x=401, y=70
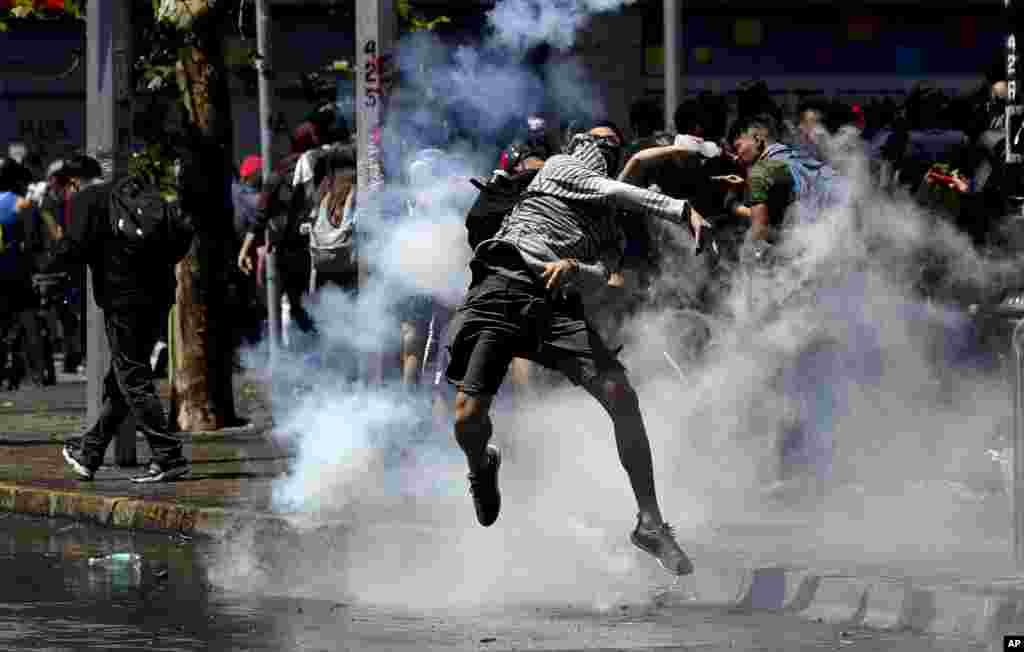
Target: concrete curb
x=130, y=513
x=983, y=612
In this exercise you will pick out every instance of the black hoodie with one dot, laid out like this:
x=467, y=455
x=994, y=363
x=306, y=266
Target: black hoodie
x=120, y=278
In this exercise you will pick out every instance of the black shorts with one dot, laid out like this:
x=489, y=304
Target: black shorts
x=504, y=317
x=415, y=309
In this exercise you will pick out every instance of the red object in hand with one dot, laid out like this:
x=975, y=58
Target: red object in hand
x=941, y=178
x=49, y=5
x=959, y=184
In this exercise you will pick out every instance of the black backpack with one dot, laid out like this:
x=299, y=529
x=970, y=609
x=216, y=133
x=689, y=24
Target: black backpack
x=497, y=198
x=287, y=206
x=146, y=223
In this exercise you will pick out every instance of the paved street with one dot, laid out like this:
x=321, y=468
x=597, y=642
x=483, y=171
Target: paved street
x=288, y=591
x=55, y=601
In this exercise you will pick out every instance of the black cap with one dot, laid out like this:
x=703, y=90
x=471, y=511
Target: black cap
x=83, y=166
x=607, y=123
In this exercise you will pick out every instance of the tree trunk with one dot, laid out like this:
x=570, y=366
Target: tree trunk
x=203, y=393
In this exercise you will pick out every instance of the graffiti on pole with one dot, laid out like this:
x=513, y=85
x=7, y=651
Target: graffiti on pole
x=1014, y=110
x=376, y=71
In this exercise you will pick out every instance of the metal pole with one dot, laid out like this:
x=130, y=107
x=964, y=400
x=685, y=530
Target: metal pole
x=673, y=68
x=108, y=132
x=1018, y=444
x=1010, y=188
x=1013, y=106
x=266, y=153
x=376, y=27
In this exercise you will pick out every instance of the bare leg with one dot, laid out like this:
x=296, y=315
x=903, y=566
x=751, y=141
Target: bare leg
x=413, y=343
x=440, y=410
x=614, y=392
x=473, y=428
x=519, y=375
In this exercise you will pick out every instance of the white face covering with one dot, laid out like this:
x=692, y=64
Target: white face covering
x=594, y=153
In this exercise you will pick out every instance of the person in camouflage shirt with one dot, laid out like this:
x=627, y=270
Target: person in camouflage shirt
x=769, y=188
x=784, y=185
x=770, y=185
x=784, y=188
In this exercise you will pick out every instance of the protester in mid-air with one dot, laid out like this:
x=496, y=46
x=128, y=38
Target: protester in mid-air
x=562, y=239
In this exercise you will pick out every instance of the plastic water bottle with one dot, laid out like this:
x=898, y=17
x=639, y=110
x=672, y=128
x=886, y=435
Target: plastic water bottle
x=116, y=559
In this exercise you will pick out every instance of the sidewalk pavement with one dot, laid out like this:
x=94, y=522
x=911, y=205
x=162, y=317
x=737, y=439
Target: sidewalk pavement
x=750, y=567
x=232, y=469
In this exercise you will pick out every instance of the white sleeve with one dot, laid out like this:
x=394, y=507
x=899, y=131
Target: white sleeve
x=303, y=169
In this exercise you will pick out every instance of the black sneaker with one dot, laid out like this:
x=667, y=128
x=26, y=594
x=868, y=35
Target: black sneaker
x=165, y=472
x=660, y=542
x=77, y=463
x=484, y=488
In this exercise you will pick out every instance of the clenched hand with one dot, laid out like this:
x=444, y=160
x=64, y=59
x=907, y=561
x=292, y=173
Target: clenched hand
x=697, y=224
x=556, y=274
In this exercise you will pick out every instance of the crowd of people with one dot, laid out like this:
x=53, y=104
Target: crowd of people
x=568, y=238
x=40, y=313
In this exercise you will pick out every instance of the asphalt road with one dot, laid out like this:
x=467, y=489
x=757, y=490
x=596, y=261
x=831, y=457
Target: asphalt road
x=52, y=599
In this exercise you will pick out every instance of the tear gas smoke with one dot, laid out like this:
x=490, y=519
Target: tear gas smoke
x=903, y=400
x=522, y=24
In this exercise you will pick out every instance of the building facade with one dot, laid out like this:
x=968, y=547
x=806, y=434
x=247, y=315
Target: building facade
x=849, y=50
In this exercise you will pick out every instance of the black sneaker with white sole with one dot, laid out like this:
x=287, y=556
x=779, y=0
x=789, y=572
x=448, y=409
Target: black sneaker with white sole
x=484, y=487
x=165, y=472
x=77, y=463
x=660, y=543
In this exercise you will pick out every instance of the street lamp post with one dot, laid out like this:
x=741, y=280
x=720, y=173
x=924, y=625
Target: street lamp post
x=673, y=63
x=376, y=27
x=266, y=153
x=1013, y=160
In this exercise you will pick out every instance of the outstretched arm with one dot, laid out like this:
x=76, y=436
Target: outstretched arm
x=760, y=223
x=639, y=166
x=654, y=204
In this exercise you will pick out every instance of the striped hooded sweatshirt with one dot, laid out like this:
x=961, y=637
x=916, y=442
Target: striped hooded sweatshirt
x=571, y=210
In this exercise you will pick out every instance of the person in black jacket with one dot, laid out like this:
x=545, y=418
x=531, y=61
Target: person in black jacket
x=135, y=289
x=283, y=207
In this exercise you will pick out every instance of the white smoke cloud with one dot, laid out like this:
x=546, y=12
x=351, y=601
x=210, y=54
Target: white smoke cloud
x=709, y=386
x=522, y=24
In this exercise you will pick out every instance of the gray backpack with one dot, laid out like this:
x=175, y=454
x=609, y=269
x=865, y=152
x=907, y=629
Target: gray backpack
x=332, y=239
